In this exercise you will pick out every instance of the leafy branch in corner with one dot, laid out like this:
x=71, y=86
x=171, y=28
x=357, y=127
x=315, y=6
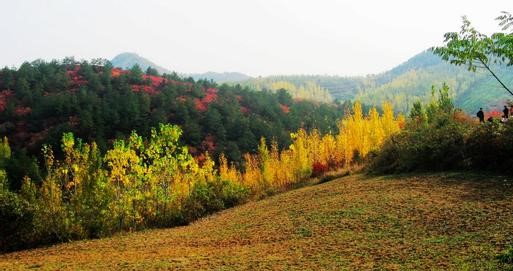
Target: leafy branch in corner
x=476, y=50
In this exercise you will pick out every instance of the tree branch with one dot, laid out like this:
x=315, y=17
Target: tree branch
x=495, y=76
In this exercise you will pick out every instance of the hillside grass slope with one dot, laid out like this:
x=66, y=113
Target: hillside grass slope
x=429, y=222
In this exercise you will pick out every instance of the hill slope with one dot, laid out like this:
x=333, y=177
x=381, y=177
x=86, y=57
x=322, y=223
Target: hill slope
x=298, y=86
x=412, y=81
x=450, y=222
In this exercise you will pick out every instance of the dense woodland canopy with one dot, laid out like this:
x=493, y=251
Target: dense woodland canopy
x=40, y=101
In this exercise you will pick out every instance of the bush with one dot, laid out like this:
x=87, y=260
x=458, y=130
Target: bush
x=212, y=196
x=433, y=139
x=490, y=147
x=318, y=169
x=451, y=144
x=233, y=193
x=506, y=258
x=16, y=220
x=203, y=200
x=423, y=148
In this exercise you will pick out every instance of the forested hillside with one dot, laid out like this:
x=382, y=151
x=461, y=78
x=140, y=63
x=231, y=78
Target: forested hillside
x=40, y=101
x=402, y=86
x=314, y=88
x=412, y=81
x=120, y=150
x=300, y=87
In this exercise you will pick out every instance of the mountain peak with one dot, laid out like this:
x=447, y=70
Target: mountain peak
x=128, y=59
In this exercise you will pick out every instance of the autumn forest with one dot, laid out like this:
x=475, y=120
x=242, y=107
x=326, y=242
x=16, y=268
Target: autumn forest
x=93, y=150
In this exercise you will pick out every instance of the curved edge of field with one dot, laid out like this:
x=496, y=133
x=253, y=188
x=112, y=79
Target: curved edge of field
x=441, y=221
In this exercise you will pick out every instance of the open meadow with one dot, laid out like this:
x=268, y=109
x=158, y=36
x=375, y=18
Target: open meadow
x=449, y=221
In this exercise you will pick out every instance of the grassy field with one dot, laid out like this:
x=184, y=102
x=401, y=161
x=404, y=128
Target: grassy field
x=429, y=222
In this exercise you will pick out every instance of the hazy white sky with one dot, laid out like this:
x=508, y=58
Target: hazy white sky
x=257, y=37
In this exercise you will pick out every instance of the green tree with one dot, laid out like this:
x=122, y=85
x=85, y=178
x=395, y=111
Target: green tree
x=5, y=150
x=135, y=75
x=214, y=123
x=152, y=71
x=7, y=78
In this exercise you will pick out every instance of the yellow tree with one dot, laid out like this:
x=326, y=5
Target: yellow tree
x=124, y=167
x=302, y=157
x=228, y=172
x=376, y=130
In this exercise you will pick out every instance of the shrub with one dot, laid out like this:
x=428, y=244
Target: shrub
x=490, y=147
x=211, y=196
x=434, y=139
x=202, y=201
x=424, y=148
x=439, y=137
x=506, y=258
x=318, y=169
x=233, y=193
x=15, y=218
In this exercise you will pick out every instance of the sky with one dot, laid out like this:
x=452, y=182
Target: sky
x=256, y=37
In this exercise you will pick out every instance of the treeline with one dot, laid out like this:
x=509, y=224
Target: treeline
x=40, y=101
x=154, y=181
x=339, y=88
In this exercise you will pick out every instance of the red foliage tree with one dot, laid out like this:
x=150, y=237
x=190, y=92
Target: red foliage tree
x=285, y=109
x=4, y=95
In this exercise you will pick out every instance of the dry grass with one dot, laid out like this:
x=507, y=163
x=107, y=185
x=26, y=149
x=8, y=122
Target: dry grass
x=441, y=222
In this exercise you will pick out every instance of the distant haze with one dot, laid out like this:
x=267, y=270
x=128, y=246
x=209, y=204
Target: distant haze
x=252, y=37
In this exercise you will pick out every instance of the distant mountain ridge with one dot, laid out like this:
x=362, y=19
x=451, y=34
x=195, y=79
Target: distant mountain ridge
x=128, y=60
x=403, y=85
x=221, y=77
x=411, y=81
